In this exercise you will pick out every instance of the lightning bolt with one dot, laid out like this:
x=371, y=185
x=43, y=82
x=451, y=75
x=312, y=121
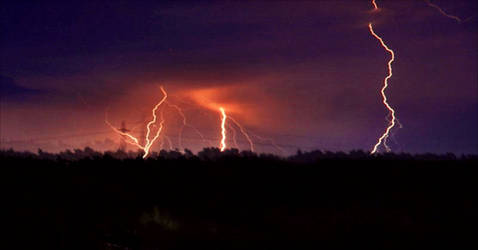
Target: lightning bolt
x=442, y=11
x=243, y=131
x=185, y=124
x=392, y=133
x=272, y=142
x=391, y=124
x=149, y=141
x=233, y=132
x=132, y=140
x=161, y=144
x=170, y=143
x=385, y=135
x=375, y=7
x=223, y=129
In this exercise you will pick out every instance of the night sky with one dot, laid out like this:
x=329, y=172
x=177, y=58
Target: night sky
x=306, y=74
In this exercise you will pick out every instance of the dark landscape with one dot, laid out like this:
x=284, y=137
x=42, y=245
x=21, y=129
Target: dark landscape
x=237, y=200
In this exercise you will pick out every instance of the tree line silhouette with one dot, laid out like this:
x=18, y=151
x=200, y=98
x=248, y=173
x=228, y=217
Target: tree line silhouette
x=83, y=199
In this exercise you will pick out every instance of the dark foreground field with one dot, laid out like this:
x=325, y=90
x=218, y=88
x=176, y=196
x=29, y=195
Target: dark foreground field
x=86, y=200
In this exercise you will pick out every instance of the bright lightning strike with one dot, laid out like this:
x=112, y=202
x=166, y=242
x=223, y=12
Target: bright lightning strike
x=375, y=7
x=223, y=129
x=442, y=11
x=133, y=140
x=391, y=124
x=149, y=142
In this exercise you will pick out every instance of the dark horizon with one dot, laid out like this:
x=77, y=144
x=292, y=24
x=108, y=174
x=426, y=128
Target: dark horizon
x=227, y=200
x=214, y=153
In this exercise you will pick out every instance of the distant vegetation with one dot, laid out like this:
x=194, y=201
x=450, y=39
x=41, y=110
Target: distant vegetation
x=214, y=154
x=84, y=199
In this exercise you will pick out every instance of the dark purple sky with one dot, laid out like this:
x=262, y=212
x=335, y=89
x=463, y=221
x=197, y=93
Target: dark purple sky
x=304, y=73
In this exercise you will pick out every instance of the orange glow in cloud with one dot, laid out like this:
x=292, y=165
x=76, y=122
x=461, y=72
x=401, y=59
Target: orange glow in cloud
x=223, y=129
x=247, y=103
x=214, y=98
x=385, y=135
x=226, y=100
